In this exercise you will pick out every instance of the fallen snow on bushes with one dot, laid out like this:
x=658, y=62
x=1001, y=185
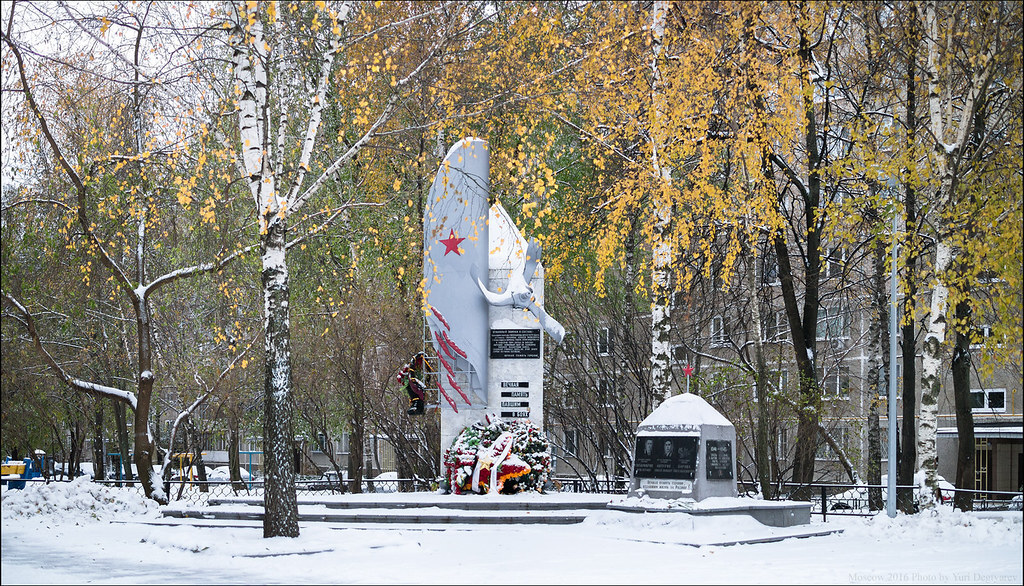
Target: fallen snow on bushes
x=77, y=501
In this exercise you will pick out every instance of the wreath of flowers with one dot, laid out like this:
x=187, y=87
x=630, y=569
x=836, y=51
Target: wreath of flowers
x=514, y=456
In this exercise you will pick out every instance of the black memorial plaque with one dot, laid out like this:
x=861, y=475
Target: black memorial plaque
x=507, y=344
x=719, y=459
x=666, y=456
x=515, y=404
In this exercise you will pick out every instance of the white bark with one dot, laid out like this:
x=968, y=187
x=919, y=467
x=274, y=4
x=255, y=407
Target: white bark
x=661, y=261
x=931, y=374
x=263, y=166
x=944, y=126
x=249, y=59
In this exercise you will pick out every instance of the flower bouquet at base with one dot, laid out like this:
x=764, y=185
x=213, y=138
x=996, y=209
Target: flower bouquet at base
x=497, y=456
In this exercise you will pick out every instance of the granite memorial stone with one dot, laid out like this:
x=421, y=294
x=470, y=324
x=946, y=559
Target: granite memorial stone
x=685, y=449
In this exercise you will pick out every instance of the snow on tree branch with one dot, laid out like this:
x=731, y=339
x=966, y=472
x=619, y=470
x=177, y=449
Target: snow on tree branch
x=77, y=384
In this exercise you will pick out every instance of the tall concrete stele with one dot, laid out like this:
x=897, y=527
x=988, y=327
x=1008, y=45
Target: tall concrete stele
x=483, y=293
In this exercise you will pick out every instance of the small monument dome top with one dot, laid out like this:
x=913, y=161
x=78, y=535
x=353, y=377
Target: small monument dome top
x=686, y=410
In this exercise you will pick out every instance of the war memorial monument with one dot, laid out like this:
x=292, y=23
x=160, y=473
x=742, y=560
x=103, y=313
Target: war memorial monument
x=484, y=305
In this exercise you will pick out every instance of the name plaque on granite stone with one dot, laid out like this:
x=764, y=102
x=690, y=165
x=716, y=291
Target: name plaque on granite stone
x=666, y=457
x=719, y=459
x=515, y=344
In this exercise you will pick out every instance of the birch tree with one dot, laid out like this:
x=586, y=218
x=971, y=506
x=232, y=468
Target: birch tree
x=969, y=78
x=661, y=253
x=286, y=60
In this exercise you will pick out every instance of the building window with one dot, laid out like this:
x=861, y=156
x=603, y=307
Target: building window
x=780, y=378
x=605, y=391
x=679, y=299
x=775, y=327
x=679, y=354
x=783, y=443
x=825, y=451
x=988, y=400
x=777, y=382
x=834, y=262
x=569, y=441
x=988, y=277
x=980, y=335
x=718, y=331
x=570, y=347
x=321, y=442
x=604, y=341
x=837, y=384
x=832, y=323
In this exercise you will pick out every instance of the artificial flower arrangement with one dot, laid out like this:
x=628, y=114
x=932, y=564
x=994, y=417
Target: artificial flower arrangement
x=507, y=457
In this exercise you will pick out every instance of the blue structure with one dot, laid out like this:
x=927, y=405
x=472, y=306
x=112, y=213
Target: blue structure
x=15, y=472
x=251, y=454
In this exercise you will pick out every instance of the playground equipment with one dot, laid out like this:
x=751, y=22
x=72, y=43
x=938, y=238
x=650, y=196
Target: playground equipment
x=251, y=454
x=16, y=472
x=183, y=462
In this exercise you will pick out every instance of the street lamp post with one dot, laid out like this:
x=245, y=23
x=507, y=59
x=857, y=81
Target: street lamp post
x=890, y=500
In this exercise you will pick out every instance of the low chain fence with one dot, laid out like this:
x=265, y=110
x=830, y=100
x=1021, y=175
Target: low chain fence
x=200, y=492
x=826, y=499
x=857, y=499
x=577, y=484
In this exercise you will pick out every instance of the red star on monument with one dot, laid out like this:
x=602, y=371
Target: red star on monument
x=451, y=244
x=687, y=370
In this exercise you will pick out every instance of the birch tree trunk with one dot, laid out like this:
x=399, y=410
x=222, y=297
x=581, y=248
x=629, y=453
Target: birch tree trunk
x=931, y=374
x=276, y=175
x=281, y=517
x=251, y=55
x=661, y=261
x=951, y=128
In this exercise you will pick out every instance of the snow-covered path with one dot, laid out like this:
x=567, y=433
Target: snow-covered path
x=79, y=544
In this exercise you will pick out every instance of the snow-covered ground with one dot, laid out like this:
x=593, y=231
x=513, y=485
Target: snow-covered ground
x=83, y=533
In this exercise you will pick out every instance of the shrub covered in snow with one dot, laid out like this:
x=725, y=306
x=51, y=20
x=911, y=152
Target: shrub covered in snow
x=513, y=456
x=80, y=499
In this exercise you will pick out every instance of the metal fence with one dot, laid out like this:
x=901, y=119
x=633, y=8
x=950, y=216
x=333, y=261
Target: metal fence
x=200, y=492
x=855, y=499
x=825, y=499
x=617, y=485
